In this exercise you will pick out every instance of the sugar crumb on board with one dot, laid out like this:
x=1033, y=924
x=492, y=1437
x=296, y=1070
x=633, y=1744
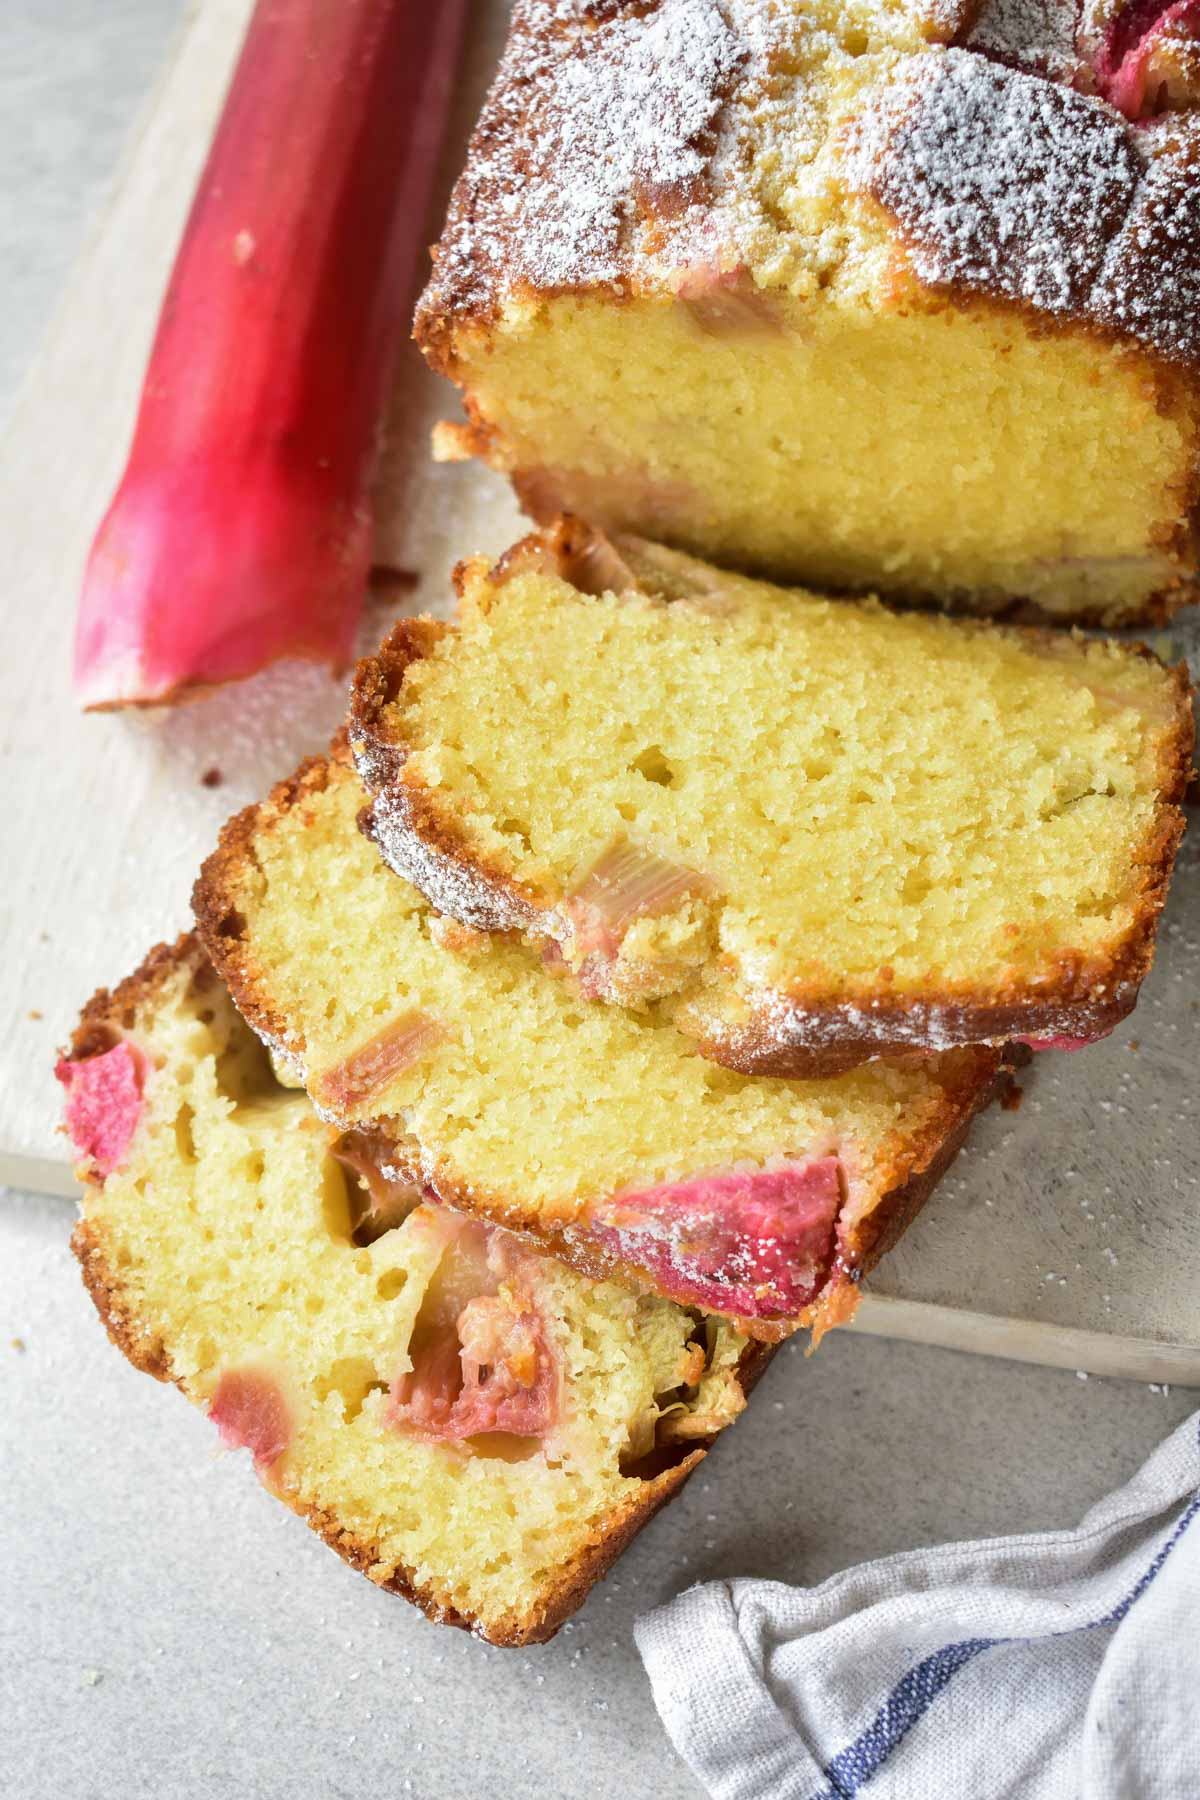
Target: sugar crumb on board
x=385, y=584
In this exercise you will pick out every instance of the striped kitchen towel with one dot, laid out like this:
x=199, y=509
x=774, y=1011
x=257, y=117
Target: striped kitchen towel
x=1059, y=1667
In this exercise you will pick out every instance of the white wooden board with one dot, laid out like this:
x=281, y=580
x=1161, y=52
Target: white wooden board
x=1068, y=1234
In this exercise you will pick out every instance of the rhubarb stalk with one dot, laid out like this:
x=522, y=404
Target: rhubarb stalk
x=240, y=532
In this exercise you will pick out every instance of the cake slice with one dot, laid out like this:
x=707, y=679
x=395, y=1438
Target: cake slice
x=899, y=298
x=471, y=1425
x=600, y=1134
x=831, y=832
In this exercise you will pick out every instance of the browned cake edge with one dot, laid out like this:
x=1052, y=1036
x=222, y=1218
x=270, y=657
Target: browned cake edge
x=103, y=1018
x=797, y=1031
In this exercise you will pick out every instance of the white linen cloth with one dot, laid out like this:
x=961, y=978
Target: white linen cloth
x=1064, y=1666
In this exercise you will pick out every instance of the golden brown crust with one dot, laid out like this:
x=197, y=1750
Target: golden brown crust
x=111, y=1011
x=800, y=1031
x=567, y=110
x=557, y=1603
x=1114, y=244
x=1050, y=202
x=144, y=1349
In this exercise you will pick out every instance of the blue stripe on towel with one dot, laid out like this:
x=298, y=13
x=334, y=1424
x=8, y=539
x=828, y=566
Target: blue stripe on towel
x=915, y=1692
x=908, y=1701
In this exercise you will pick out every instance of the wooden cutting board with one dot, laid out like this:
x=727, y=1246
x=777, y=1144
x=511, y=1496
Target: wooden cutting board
x=1070, y=1231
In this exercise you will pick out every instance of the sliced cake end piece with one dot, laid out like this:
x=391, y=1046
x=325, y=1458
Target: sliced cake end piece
x=827, y=831
x=471, y=1425
x=600, y=1133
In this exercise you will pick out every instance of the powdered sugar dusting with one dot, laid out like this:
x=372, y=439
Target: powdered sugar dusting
x=946, y=19
x=451, y=887
x=1035, y=35
x=625, y=141
x=781, y=1030
x=999, y=180
x=1149, y=285
x=1015, y=186
x=623, y=108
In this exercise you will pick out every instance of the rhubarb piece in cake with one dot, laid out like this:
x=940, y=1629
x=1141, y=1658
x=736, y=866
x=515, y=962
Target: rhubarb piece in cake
x=470, y=1424
x=891, y=298
x=826, y=830
x=601, y=1135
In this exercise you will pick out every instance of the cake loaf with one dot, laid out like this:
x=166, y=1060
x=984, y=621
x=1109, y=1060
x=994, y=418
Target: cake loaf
x=829, y=831
x=600, y=1134
x=900, y=298
x=471, y=1425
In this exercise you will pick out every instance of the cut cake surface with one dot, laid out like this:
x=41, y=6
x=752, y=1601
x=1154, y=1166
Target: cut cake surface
x=602, y=1135
x=830, y=832
x=232, y=1245
x=877, y=297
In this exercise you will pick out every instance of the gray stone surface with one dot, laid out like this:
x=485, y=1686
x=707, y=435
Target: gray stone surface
x=165, y=1628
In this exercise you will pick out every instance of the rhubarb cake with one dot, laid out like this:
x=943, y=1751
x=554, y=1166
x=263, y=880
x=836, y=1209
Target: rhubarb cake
x=470, y=1424
x=824, y=830
x=898, y=296
x=600, y=1134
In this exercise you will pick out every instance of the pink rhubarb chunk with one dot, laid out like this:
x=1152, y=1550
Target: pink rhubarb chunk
x=378, y=1202
x=250, y=1413
x=1138, y=69
x=104, y=1104
x=756, y=1243
x=625, y=883
x=488, y=1372
x=366, y=1072
x=489, y=1369
x=725, y=303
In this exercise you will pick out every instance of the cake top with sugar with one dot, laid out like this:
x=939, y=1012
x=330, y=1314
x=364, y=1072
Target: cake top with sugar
x=970, y=147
